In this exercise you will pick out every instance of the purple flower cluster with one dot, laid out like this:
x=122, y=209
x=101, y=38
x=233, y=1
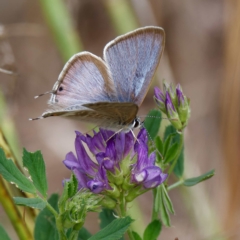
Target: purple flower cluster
x=118, y=158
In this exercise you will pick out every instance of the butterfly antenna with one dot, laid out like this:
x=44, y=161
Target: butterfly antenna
x=153, y=142
x=134, y=135
x=114, y=134
x=147, y=116
x=166, y=118
x=42, y=94
x=32, y=119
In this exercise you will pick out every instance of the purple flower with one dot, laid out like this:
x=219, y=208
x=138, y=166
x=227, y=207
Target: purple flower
x=144, y=170
x=180, y=96
x=169, y=105
x=159, y=98
x=159, y=94
x=117, y=160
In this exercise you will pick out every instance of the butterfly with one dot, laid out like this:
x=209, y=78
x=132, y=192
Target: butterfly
x=109, y=91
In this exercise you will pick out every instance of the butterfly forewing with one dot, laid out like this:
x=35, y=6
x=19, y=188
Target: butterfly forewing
x=84, y=79
x=132, y=60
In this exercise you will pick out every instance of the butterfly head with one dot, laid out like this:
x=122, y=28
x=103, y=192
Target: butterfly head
x=136, y=123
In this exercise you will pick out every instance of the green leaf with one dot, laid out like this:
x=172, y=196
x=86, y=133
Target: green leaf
x=169, y=130
x=164, y=215
x=162, y=198
x=73, y=186
x=114, y=230
x=3, y=234
x=171, y=153
x=193, y=181
x=36, y=167
x=30, y=202
x=167, y=143
x=152, y=122
x=84, y=234
x=45, y=226
x=106, y=216
x=167, y=200
x=69, y=190
x=179, y=167
x=153, y=230
x=12, y=174
x=136, y=236
x=162, y=208
x=64, y=197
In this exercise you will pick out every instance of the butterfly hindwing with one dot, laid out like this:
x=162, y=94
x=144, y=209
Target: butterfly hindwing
x=112, y=115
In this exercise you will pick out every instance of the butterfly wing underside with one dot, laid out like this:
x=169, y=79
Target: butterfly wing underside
x=133, y=59
x=108, y=92
x=112, y=115
x=85, y=91
x=84, y=79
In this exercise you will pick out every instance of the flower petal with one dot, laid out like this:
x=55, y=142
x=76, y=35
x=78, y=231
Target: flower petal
x=106, y=134
x=142, y=157
x=159, y=94
x=129, y=142
x=111, y=149
x=95, y=186
x=151, y=159
x=140, y=176
x=71, y=161
x=119, y=146
x=85, y=161
x=180, y=96
x=142, y=137
x=81, y=177
x=154, y=177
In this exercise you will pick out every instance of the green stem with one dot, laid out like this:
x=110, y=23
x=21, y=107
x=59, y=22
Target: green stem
x=176, y=184
x=60, y=23
x=62, y=235
x=11, y=189
x=154, y=213
x=52, y=210
x=74, y=235
x=177, y=156
x=13, y=213
x=122, y=208
x=116, y=10
x=135, y=211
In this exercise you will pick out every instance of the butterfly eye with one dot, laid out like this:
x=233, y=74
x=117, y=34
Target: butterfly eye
x=60, y=89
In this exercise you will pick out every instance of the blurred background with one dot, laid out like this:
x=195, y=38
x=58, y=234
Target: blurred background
x=202, y=53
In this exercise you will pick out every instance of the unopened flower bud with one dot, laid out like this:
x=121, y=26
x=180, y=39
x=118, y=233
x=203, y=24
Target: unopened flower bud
x=172, y=113
x=160, y=99
x=174, y=104
x=183, y=106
